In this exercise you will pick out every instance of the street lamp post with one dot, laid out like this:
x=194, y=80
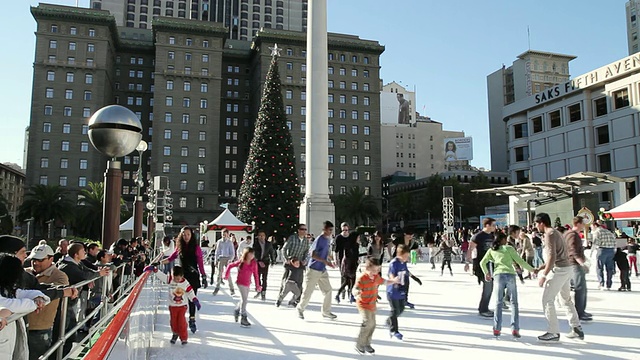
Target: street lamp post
x=460, y=216
x=138, y=204
x=115, y=131
x=49, y=225
x=29, y=220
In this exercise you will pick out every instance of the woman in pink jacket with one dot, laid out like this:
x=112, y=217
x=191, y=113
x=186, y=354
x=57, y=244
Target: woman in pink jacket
x=247, y=266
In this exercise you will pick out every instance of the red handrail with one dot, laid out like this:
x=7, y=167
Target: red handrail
x=101, y=349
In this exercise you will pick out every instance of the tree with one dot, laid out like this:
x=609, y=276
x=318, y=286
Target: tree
x=402, y=207
x=270, y=192
x=44, y=203
x=356, y=207
x=6, y=223
x=88, y=220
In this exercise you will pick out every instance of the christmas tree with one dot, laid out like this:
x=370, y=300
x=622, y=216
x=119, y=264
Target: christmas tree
x=270, y=192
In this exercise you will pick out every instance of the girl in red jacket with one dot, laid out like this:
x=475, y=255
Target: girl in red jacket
x=247, y=266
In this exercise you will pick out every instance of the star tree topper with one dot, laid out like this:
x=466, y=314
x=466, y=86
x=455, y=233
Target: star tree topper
x=275, y=50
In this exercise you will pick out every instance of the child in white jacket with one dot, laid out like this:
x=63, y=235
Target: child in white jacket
x=13, y=337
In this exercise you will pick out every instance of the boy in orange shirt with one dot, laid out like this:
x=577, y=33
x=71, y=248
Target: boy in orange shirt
x=366, y=293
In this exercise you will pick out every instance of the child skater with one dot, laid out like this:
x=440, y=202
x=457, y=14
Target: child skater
x=397, y=290
x=366, y=293
x=293, y=284
x=247, y=266
x=432, y=255
x=623, y=265
x=446, y=251
x=503, y=257
x=180, y=291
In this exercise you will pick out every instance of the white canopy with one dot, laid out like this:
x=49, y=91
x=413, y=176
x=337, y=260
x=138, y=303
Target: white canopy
x=627, y=211
x=128, y=225
x=229, y=221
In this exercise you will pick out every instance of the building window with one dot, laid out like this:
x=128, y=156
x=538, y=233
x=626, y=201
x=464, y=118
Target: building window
x=169, y=84
x=330, y=128
x=522, y=153
x=367, y=130
x=64, y=163
x=166, y=167
x=201, y=185
x=554, y=119
x=88, y=79
x=51, y=75
x=203, y=103
x=330, y=160
x=72, y=46
x=602, y=135
x=354, y=129
x=183, y=168
x=600, y=106
x=186, y=102
x=48, y=93
x=354, y=160
x=621, y=98
x=84, y=146
x=354, y=114
x=85, y=129
x=44, y=163
x=519, y=130
x=168, y=117
x=522, y=176
x=66, y=128
x=184, y=151
x=167, y=134
x=537, y=124
x=343, y=174
x=185, y=118
x=65, y=146
x=574, y=112
x=185, y=134
x=87, y=97
x=63, y=180
x=289, y=110
x=366, y=115
x=343, y=85
x=169, y=101
x=202, y=136
x=53, y=44
x=83, y=164
x=82, y=181
x=183, y=185
x=66, y=111
x=91, y=48
x=182, y=202
x=204, y=87
x=166, y=151
x=201, y=171
x=604, y=163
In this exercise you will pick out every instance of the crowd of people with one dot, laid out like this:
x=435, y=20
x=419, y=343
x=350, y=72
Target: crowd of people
x=35, y=281
x=555, y=257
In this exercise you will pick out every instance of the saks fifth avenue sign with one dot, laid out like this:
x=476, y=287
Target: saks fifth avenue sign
x=605, y=73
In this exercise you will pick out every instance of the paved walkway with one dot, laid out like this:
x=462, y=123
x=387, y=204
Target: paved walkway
x=443, y=325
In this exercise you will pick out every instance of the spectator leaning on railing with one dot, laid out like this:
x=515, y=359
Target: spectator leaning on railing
x=15, y=246
x=77, y=272
x=41, y=323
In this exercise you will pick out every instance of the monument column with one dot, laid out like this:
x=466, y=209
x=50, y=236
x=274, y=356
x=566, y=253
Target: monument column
x=316, y=206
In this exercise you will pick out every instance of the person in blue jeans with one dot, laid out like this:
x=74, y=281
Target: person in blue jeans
x=482, y=242
x=397, y=291
x=503, y=257
x=606, y=243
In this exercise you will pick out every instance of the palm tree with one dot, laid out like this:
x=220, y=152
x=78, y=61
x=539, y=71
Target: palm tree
x=356, y=207
x=88, y=221
x=6, y=223
x=402, y=206
x=44, y=203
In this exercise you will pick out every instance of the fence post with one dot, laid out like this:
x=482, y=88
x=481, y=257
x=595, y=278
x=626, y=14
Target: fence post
x=105, y=301
x=63, y=326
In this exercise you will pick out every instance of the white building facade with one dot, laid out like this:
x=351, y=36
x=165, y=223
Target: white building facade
x=631, y=8
x=590, y=123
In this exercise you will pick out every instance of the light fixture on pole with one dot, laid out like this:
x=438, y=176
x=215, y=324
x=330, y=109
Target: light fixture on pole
x=138, y=207
x=115, y=131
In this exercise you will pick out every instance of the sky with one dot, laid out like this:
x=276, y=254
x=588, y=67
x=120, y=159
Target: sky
x=444, y=48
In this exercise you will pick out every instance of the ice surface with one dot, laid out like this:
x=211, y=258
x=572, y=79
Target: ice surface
x=444, y=325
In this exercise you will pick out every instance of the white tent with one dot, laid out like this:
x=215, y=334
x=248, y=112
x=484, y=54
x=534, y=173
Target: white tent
x=627, y=211
x=128, y=225
x=229, y=221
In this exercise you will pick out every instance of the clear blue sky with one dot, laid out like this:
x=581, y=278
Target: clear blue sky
x=445, y=48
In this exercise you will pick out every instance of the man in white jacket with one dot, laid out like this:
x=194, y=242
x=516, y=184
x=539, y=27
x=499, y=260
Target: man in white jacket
x=243, y=245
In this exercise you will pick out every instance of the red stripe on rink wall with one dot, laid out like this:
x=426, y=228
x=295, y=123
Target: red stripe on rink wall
x=101, y=349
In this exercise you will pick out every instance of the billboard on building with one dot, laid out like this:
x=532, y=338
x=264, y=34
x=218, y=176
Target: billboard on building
x=458, y=149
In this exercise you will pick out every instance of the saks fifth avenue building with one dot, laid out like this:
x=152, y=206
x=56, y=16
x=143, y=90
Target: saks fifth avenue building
x=590, y=123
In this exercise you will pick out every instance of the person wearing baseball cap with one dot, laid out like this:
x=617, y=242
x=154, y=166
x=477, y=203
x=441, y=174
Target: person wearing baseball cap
x=41, y=323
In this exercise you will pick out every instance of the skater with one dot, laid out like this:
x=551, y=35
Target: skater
x=376, y=248
x=225, y=253
x=580, y=266
x=414, y=257
x=446, y=251
x=632, y=250
x=482, y=242
x=190, y=254
x=605, y=241
x=179, y=288
x=408, y=241
x=397, y=290
x=349, y=265
x=366, y=293
x=247, y=267
x=265, y=255
x=432, y=255
x=293, y=283
x=504, y=257
x=296, y=246
x=559, y=271
x=623, y=265
x=339, y=244
x=317, y=272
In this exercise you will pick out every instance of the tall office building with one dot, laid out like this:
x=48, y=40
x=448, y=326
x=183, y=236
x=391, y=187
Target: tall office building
x=242, y=18
x=632, y=8
x=532, y=72
x=197, y=95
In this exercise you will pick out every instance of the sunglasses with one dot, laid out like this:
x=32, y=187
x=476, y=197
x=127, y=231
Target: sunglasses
x=303, y=229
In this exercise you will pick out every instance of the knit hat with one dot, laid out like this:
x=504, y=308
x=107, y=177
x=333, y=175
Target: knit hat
x=11, y=244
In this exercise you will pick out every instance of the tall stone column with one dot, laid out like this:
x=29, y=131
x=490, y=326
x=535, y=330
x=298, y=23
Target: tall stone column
x=111, y=206
x=317, y=206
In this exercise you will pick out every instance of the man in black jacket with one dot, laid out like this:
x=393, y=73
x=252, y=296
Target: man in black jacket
x=264, y=254
x=77, y=272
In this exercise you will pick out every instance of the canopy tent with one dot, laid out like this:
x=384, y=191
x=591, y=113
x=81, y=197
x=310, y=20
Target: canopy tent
x=128, y=225
x=627, y=211
x=228, y=221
